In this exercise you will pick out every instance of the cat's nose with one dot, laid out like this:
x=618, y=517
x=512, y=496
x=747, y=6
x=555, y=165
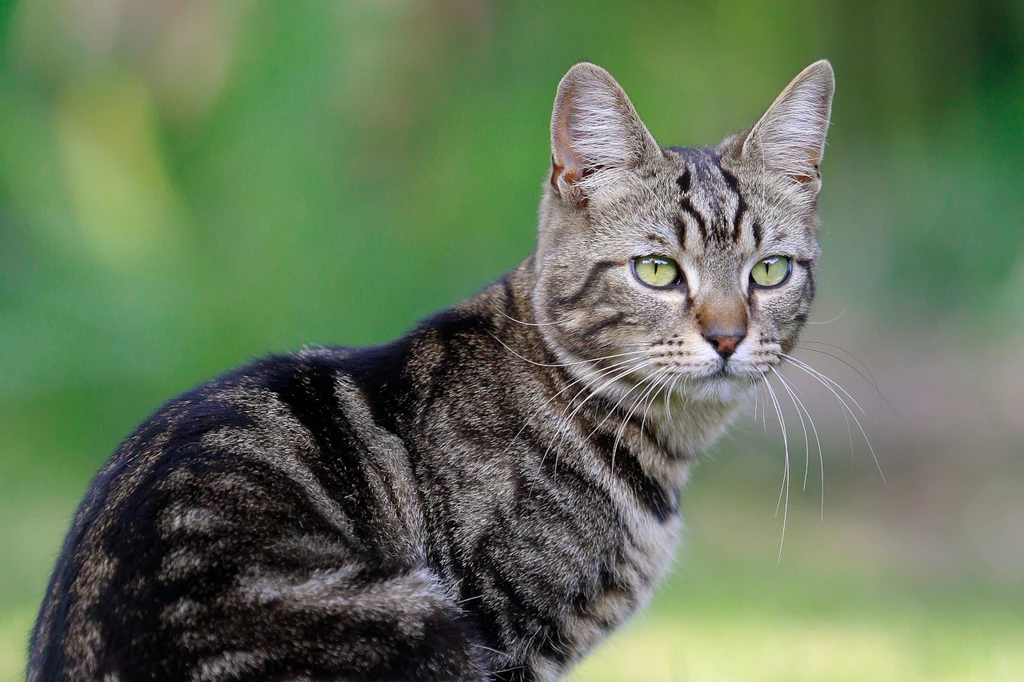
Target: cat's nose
x=725, y=342
x=723, y=324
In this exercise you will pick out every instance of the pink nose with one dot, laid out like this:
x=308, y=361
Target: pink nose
x=724, y=344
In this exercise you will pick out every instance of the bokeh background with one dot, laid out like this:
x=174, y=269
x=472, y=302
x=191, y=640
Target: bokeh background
x=187, y=184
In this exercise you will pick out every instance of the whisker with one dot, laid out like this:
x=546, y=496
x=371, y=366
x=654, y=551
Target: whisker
x=785, y=470
x=667, y=378
x=643, y=394
x=764, y=414
x=753, y=383
x=869, y=379
x=821, y=458
x=495, y=651
x=527, y=324
x=565, y=364
x=863, y=365
x=615, y=406
x=803, y=425
x=841, y=313
x=563, y=422
x=800, y=363
x=600, y=373
x=826, y=381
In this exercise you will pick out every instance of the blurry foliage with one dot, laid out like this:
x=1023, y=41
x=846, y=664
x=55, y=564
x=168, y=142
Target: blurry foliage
x=187, y=184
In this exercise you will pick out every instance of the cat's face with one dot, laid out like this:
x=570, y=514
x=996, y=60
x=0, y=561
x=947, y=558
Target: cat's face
x=692, y=268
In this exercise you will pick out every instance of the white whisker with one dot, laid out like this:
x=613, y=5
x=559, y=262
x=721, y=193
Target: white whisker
x=566, y=364
x=827, y=382
x=601, y=372
x=821, y=458
x=565, y=421
x=643, y=394
x=803, y=425
x=785, y=470
x=527, y=324
x=841, y=313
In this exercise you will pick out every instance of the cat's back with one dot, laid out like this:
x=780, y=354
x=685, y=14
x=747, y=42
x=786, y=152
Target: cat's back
x=224, y=500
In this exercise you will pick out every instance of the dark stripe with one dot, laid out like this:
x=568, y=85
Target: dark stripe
x=308, y=389
x=595, y=327
x=655, y=238
x=680, y=226
x=684, y=181
x=811, y=284
x=380, y=372
x=595, y=271
x=685, y=204
x=755, y=227
x=741, y=205
x=659, y=501
x=309, y=392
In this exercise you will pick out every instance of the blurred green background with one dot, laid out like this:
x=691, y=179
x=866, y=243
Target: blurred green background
x=186, y=184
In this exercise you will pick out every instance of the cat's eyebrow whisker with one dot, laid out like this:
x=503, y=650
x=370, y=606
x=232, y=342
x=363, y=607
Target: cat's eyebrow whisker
x=821, y=457
x=826, y=381
x=830, y=321
x=785, y=469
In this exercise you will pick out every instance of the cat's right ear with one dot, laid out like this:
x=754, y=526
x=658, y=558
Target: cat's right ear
x=790, y=137
x=595, y=133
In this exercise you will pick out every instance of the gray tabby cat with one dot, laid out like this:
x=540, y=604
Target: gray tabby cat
x=489, y=496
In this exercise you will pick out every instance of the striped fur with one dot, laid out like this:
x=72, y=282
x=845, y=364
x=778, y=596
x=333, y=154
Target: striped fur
x=483, y=499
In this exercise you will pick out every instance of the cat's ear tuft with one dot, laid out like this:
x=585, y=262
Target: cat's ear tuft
x=790, y=137
x=595, y=132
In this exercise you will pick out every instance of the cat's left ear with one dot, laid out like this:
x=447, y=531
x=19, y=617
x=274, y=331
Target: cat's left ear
x=790, y=137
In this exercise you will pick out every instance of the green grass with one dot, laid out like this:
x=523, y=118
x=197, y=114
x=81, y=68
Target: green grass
x=727, y=646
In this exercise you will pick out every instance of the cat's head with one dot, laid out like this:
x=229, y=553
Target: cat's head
x=693, y=265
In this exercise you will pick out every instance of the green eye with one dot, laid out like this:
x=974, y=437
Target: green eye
x=656, y=271
x=771, y=272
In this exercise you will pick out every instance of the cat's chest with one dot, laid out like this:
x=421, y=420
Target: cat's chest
x=628, y=572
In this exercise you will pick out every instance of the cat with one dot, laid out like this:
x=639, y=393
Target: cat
x=489, y=496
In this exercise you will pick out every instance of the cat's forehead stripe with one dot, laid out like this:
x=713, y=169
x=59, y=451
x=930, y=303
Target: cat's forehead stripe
x=741, y=206
x=710, y=196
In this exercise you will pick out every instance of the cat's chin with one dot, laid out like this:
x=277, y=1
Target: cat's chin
x=721, y=388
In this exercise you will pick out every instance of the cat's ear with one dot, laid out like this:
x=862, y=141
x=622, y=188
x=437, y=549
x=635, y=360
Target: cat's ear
x=595, y=133
x=790, y=137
